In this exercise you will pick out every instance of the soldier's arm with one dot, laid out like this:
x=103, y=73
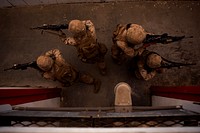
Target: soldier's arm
x=145, y=75
x=90, y=27
x=55, y=54
x=127, y=50
x=69, y=41
x=48, y=75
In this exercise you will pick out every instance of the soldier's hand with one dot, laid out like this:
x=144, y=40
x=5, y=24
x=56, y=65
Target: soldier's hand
x=129, y=51
x=70, y=41
x=140, y=50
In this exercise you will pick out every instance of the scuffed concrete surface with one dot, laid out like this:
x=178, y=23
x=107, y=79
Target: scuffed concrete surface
x=21, y=45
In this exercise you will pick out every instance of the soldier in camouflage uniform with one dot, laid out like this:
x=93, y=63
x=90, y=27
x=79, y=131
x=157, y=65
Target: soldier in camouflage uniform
x=54, y=67
x=85, y=41
x=148, y=64
x=125, y=38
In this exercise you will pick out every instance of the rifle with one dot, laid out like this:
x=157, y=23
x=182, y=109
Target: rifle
x=163, y=39
x=24, y=66
x=52, y=27
x=170, y=64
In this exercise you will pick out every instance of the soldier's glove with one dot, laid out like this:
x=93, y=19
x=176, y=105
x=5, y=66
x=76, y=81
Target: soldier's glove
x=129, y=51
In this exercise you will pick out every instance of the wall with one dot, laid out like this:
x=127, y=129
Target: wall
x=53, y=102
x=164, y=101
x=30, y=97
x=15, y=3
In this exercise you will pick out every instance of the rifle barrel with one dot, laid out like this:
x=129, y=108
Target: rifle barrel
x=164, y=38
x=32, y=28
x=174, y=64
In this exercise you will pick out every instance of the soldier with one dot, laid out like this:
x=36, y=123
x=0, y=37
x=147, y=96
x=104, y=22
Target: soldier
x=147, y=64
x=54, y=67
x=125, y=38
x=85, y=41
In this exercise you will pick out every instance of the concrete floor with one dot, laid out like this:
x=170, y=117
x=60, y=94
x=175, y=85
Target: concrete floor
x=20, y=45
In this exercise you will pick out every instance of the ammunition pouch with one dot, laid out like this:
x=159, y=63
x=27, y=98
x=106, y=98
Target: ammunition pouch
x=66, y=74
x=92, y=53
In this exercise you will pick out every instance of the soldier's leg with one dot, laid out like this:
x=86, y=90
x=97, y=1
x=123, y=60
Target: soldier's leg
x=102, y=67
x=88, y=79
x=117, y=55
x=103, y=49
x=101, y=62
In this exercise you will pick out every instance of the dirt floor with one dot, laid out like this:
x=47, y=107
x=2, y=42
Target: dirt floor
x=20, y=45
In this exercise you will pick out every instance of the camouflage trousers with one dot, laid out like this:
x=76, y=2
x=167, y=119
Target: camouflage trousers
x=118, y=55
x=95, y=55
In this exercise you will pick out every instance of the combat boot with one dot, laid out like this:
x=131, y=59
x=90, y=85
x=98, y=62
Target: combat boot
x=102, y=67
x=97, y=85
x=103, y=71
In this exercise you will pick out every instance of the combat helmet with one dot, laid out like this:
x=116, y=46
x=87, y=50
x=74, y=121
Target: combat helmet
x=135, y=34
x=154, y=60
x=44, y=62
x=77, y=27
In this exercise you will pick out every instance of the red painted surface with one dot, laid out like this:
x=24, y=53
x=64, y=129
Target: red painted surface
x=190, y=93
x=20, y=96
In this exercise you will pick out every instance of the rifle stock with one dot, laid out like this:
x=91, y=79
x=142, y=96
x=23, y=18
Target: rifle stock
x=171, y=65
x=52, y=27
x=22, y=66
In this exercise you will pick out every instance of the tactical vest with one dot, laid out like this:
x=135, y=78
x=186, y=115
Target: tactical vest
x=65, y=73
x=87, y=48
x=120, y=34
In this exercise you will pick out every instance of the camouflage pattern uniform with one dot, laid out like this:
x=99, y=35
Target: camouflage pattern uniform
x=85, y=41
x=147, y=65
x=54, y=67
x=125, y=38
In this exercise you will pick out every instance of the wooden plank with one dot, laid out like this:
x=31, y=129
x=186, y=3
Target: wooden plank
x=190, y=93
x=20, y=96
